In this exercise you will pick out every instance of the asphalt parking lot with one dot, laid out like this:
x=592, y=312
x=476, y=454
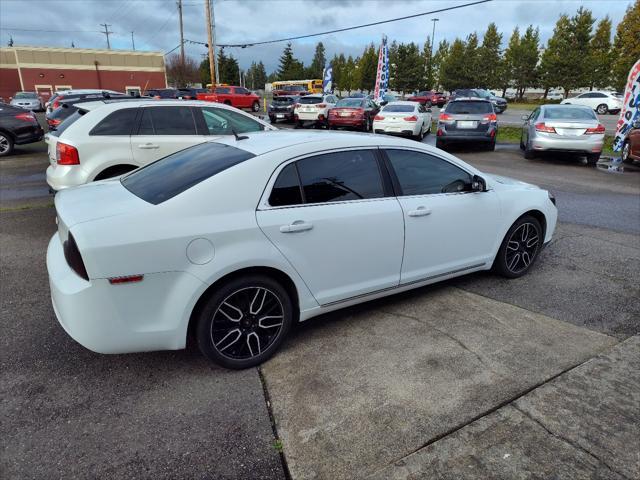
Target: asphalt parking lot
x=479, y=377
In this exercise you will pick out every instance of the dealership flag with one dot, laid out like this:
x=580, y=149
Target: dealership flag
x=630, y=107
x=327, y=80
x=382, y=75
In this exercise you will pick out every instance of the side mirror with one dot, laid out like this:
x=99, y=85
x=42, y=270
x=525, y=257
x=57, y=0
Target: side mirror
x=478, y=184
x=525, y=117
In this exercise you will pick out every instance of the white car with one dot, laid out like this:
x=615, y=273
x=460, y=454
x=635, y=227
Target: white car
x=58, y=96
x=554, y=95
x=233, y=240
x=313, y=108
x=410, y=119
x=106, y=139
x=601, y=102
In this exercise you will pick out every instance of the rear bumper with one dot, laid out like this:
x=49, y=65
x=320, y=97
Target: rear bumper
x=310, y=116
x=346, y=122
x=128, y=318
x=60, y=177
x=591, y=144
x=275, y=116
x=471, y=136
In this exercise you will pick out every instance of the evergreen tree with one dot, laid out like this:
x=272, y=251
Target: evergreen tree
x=472, y=62
x=507, y=70
x=525, y=63
x=452, y=70
x=349, y=75
x=427, y=62
x=368, y=68
x=626, y=46
x=438, y=58
x=393, y=65
x=489, y=58
x=290, y=67
x=318, y=63
x=228, y=68
x=410, y=70
x=256, y=76
x=601, y=55
x=338, y=64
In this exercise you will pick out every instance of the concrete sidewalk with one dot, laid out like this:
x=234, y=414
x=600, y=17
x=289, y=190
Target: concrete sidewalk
x=353, y=393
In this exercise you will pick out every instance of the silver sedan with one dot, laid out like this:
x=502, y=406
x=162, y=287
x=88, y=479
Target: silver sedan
x=563, y=128
x=28, y=101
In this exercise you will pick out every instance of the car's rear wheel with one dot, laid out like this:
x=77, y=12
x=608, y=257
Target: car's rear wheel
x=256, y=106
x=520, y=248
x=491, y=146
x=592, y=158
x=602, y=109
x=6, y=144
x=227, y=102
x=440, y=144
x=529, y=153
x=244, y=321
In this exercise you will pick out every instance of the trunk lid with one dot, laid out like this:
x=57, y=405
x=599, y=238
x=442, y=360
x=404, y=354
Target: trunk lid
x=570, y=129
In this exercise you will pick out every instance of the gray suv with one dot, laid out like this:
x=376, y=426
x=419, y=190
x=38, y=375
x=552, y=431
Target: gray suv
x=499, y=103
x=467, y=120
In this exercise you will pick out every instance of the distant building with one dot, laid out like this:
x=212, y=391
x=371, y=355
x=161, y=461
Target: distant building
x=48, y=69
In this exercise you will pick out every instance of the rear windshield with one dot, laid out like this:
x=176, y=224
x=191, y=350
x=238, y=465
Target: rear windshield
x=64, y=112
x=310, y=100
x=398, y=108
x=569, y=113
x=349, y=102
x=471, y=107
x=67, y=122
x=165, y=178
x=283, y=100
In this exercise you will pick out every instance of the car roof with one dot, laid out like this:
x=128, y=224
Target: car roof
x=136, y=102
x=564, y=105
x=470, y=99
x=402, y=102
x=263, y=142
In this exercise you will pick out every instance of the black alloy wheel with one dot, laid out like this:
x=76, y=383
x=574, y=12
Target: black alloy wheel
x=602, y=109
x=520, y=248
x=244, y=322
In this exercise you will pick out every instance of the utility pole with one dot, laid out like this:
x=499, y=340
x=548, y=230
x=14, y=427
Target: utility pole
x=107, y=32
x=207, y=8
x=133, y=43
x=181, y=33
x=433, y=33
x=213, y=34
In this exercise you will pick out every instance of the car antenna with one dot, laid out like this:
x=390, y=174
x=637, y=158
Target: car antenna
x=238, y=137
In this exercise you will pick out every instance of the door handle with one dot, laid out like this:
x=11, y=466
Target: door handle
x=148, y=146
x=420, y=212
x=297, y=226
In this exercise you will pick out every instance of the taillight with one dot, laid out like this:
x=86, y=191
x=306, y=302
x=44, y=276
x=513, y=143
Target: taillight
x=66, y=154
x=73, y=257
x=445, y=117
x=412, y=118
x=54, y=122
x=599, y=129
x=492, y=117
x=541, y=127
x=321, y=105
x=378, y=117
x=27, y=117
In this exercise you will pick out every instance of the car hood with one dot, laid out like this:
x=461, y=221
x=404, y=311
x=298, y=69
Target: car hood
x=511, y=181
x=96, y=200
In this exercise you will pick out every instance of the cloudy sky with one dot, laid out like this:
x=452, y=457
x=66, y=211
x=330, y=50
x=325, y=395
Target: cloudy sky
x=155, y=22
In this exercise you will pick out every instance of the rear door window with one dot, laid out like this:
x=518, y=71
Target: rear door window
x=120, y=122
x=167, y=121
x=286, y=189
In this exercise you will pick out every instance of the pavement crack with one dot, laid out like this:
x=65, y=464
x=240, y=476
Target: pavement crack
x=569, y=442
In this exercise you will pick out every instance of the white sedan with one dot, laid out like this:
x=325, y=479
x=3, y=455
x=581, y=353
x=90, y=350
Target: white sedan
x=233, y=240
x=601, y=102
x=409, y=119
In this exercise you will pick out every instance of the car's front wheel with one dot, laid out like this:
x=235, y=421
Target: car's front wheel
x=244, y=321
x=520, y=248
x=6, y=144
x=602, y=109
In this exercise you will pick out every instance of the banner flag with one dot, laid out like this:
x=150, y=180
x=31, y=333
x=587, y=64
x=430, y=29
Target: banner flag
x=382, y=75
x=630, y=107
x=327, y=80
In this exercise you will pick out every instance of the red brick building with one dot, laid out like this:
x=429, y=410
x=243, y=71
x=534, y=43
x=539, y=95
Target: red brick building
x=46, y=70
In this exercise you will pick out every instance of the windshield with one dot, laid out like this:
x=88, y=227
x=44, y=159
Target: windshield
x=349, y=102
x=469, y=107
x=25, y=95
x=285, y=100
x=569, y=113
x=398, y=108
x=165, y=178
x=310, y=100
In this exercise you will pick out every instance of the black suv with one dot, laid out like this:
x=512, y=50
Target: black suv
x=17, y=127
x=468, y=120
x=162, y=93
x=281, y=108
x=499, y=103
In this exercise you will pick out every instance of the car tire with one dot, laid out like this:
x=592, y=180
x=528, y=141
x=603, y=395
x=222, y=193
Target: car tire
x=491, y=146
x=602, y=109
x=298, y=124
x=234, y=311
x=521, y=143
x=520, y=248
x=256, y=106
x=272, y=119
x=626, y=152
x=528, y=152
x=6, y=144
x=227, y=102
x=592, y=158
x=440, y=144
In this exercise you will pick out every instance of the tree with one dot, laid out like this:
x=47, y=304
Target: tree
x=339, y=64
x=228, y=69
x=489, y=59
x=427, y=62
x=393, y=65
x=409, y=67
x=290, y=67
x=349, y=75
x=472, y=60
x=256, y=76
x=453, y=69
x=601, y=55
x=525, y=63
x=368, y=68
x=509, y=61
x=626, y=46
x=181, y=75
x=316, y=68
x=438, y=58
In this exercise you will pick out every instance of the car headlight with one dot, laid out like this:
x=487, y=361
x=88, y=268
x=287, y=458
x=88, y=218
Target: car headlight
x=552, y=197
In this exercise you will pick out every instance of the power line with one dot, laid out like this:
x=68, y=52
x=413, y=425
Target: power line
x=406, y=17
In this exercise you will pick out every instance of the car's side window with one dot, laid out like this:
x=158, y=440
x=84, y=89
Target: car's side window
x=120, y=122
x=286, y=189
x=167, y=121
x=598, y=95
x=422, y=174
x=241, y=91
x=340, y=176
x=223, y=90
x=535, y=114
x=221, y=121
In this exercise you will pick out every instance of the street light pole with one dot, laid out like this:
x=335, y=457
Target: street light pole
x=433, y=34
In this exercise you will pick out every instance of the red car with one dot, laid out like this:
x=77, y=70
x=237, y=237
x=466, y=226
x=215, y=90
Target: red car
x=238, y=97
x=297, y=90
x=428, y=97
x=354, y=113
x=631, y=145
